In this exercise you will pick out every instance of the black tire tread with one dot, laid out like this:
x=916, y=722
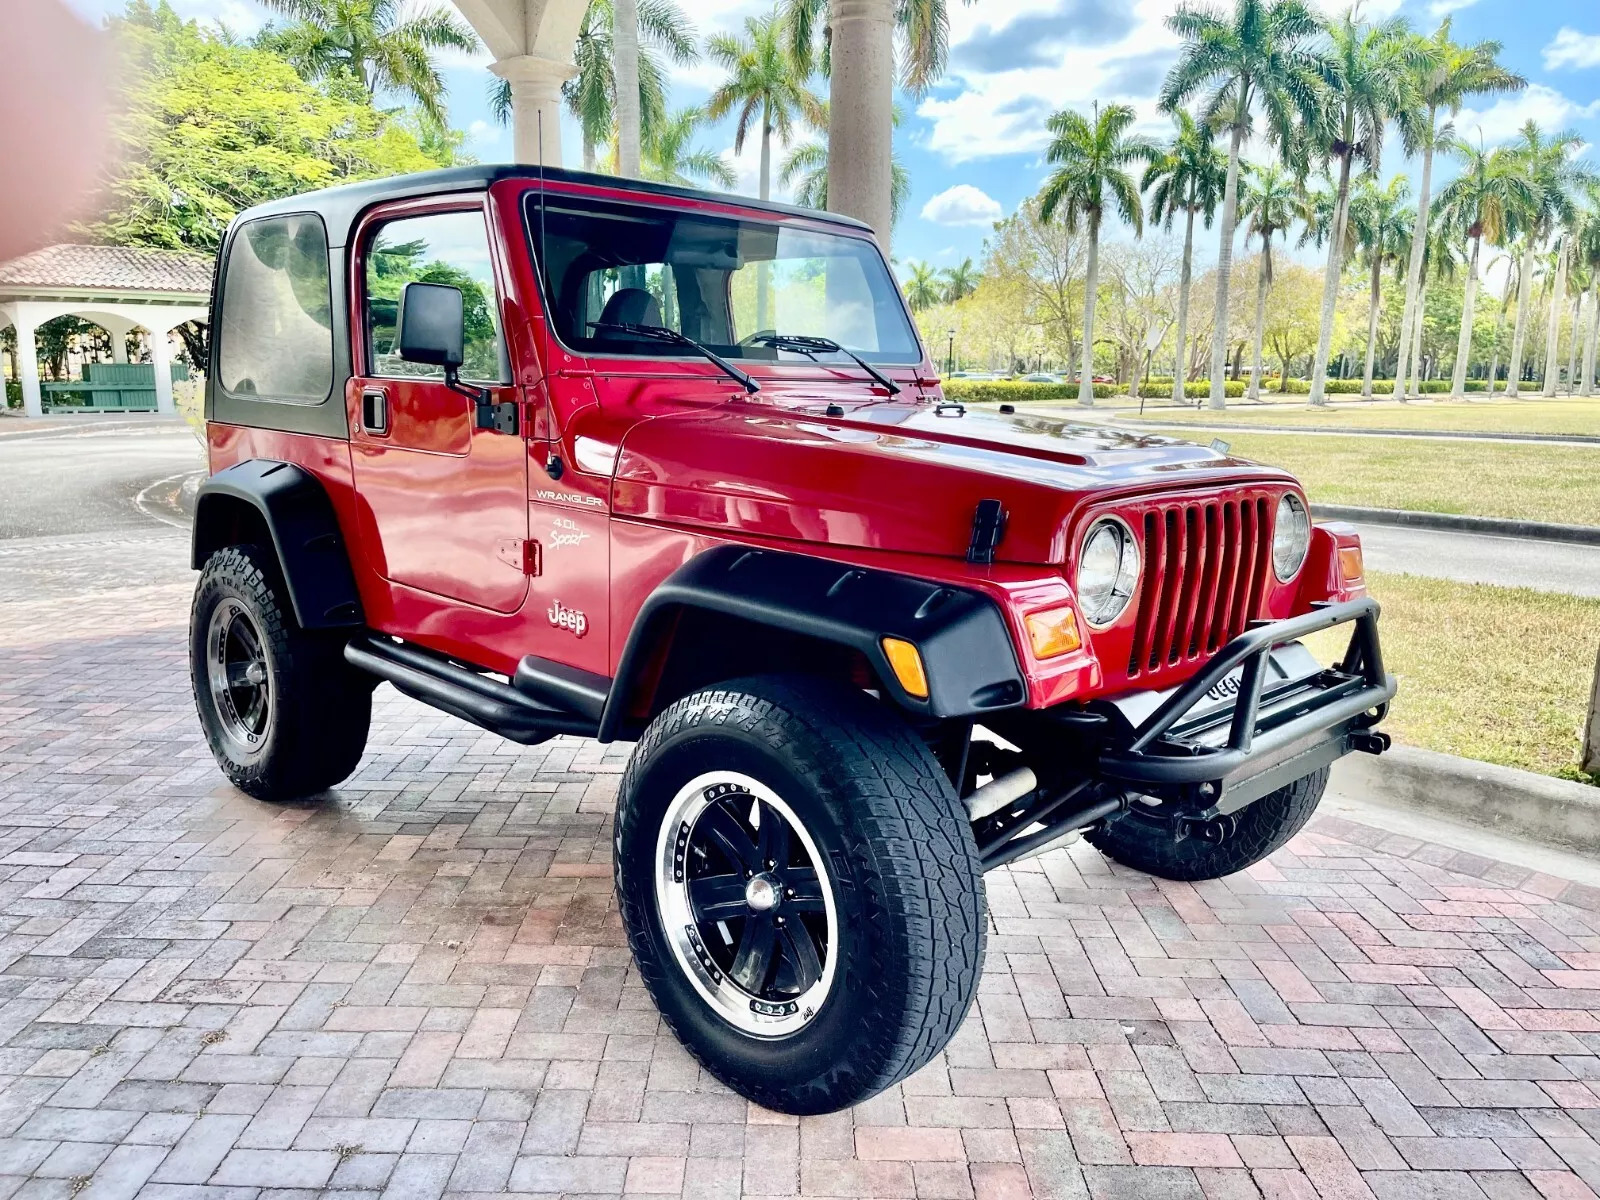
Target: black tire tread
x=1263, y=827
x=908, y=836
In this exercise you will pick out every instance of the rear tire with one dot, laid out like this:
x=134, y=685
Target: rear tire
x=284, y=714
x=1146, y=842
x=785, y=798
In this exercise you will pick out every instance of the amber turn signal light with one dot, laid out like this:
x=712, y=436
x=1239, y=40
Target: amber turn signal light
x=1053, y=632
x=906, y=662
x=1351, y=568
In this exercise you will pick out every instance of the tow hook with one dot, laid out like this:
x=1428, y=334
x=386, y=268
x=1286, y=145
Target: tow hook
x=1369, y=741
x=1215, y=831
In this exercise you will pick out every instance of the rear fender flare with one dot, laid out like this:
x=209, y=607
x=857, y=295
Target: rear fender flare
x=299, y=518
x=966, y=647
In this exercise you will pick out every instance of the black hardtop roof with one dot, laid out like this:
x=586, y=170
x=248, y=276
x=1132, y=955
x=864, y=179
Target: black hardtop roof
x=339, y=207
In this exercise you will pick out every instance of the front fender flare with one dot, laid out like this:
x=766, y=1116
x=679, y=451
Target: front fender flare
x=300, y=521
x=966, y=647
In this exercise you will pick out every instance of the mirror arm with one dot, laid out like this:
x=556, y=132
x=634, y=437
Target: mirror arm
x=486, y=413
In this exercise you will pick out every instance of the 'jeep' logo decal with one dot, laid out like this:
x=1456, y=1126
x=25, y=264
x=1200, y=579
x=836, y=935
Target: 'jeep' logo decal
x=1225, y=688
x=563, y=617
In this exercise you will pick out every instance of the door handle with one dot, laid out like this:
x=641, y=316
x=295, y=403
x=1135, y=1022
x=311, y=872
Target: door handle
x=375, y=410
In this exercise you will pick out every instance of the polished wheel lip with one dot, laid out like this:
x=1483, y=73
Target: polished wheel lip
x=738, y=1007
x=239, y=678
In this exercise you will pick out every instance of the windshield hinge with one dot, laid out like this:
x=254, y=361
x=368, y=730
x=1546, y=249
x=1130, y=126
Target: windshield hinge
x=988, y=527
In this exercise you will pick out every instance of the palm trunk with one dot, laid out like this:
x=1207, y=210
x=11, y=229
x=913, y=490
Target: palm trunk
x=588, y=153
x=763, y=269
x=1375, y=300
x=1552, y=335
x=1230, y=218
x=1594, y=334
x=1263, y=283
x=1469, y=300
x=1416, y=338
x=1330, y=285
x=860, y=117
x=1091, y=284
x=1524, y=295
x=1180, y=370
x=1572, y=349
x=1499, y=332
x=625, y=69
x=1419, y=246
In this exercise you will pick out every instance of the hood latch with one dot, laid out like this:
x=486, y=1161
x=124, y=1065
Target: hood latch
x=988, y=527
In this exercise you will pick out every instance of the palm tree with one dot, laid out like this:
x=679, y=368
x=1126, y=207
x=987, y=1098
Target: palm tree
x=1091, y=160
x=1260, y=57
x=1513, y=260
x=670, y=158
x=384, y=45
x=1369, y=78
x=1475, y=205
x=805, y=173
x=853, y=43
x=1588, y=251
x=960, y=281
x=1380, y=225
x=1546, y=167
x=763, y=85
x=1453, y=73
x=591, y=94
x=922, y=288
x=1188, y=177
x=1270, y=202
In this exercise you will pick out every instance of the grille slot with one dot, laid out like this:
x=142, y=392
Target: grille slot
x=1203, y=578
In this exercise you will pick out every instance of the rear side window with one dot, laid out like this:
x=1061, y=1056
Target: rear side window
x=276, y=335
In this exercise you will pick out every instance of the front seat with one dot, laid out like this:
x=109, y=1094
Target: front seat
x=627, y=306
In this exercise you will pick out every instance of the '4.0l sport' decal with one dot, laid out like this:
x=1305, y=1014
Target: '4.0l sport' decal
x=563, y=617
x=564, y=531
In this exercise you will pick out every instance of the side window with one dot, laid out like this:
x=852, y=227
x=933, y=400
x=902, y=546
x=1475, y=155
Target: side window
x=450, y=248
x=275, y=336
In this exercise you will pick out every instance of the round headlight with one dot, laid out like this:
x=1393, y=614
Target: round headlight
x=1291, y=537
x=1108, y=571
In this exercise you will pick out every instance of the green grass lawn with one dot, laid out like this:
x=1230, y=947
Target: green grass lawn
x=1492, y=673
x=1476, y=416
x=1525, y=480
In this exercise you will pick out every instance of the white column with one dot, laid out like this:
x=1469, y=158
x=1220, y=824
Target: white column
x=28, y=363
x=161, y=358
x=535, y=105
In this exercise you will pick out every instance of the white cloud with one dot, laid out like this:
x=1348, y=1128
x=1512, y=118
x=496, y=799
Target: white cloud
x=962, y=204
x=1572, y=50
x=1501, y=121
x=1440, y=9
x=483, y=135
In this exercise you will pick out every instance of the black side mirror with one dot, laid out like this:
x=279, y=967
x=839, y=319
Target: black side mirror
x=432, y=325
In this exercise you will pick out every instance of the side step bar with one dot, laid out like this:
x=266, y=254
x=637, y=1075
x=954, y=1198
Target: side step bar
x=462, y=692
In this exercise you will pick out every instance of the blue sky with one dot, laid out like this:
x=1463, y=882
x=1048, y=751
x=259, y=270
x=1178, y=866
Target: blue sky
x=973, y=144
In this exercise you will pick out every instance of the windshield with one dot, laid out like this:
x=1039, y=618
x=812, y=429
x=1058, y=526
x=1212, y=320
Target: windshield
x=724, y=282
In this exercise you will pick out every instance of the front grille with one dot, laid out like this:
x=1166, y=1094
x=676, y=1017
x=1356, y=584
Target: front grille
x=1204, y=569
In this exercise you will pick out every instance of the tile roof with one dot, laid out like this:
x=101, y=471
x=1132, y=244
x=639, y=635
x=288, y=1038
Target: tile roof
x=120, y=268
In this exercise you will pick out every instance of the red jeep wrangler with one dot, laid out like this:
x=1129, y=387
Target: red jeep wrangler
x=560, y=454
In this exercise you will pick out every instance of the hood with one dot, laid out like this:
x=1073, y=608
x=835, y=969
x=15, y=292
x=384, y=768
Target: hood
x=899, y=475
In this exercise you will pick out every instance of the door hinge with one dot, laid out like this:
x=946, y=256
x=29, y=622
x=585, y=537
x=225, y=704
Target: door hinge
x=524, y=554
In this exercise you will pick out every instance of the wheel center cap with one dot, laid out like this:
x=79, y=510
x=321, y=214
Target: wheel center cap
x=255, y=674
x=762, y=894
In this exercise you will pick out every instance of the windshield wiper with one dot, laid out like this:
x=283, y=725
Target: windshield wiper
x=661, y=333
x=808, y=345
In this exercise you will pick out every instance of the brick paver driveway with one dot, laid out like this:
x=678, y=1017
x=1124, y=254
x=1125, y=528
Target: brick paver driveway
x=419, y=986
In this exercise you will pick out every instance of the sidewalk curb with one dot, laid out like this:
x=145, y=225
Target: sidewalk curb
x=1459, y=434
x=1556, y=812
x=1545, y=531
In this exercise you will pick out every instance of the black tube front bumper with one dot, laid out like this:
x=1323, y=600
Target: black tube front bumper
x=1273, y=733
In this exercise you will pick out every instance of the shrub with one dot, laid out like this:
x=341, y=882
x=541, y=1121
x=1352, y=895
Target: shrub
x=13, y=393
x=1012, y=391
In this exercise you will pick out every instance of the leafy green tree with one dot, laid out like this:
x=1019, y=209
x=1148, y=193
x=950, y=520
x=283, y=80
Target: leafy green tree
x=1260, y=57
x=208, y=127
x=670, y=156
x=1477, y=205
x=386, y=46
x=1091, y=160
x=1588, y=254
x=1369, y=78
x=1270, y=203
x=1545, y=163
x=1188, y=178
x=922, y=287
x=1451, y=74
x=1380, y=226
x=959, y=281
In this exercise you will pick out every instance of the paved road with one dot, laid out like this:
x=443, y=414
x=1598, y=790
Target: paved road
x=91, y=479
x=1476, y=558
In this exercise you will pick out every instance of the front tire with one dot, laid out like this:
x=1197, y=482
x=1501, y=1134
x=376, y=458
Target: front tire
x=283, y=713
x=1146, y=841
x=800, y=889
